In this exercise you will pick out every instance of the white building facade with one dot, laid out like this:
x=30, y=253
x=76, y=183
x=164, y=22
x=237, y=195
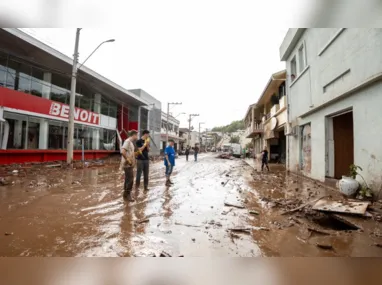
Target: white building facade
x=334, y=87
x=172, y=124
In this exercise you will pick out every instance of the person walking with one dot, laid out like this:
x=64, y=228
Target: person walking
x=196, y=152
x=187, y=152
x=264, y=159
x=128, y=163
x=169, y=161
x=143, y=161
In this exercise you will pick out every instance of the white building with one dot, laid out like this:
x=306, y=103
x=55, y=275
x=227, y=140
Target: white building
x=173, y=131
x=334, y=92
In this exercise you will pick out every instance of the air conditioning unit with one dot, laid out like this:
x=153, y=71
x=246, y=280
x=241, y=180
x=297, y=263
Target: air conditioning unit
x=291, y=131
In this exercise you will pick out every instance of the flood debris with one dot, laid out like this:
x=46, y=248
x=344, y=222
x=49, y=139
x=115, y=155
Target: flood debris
x=318, y=231
x=253, y=212
x=350, y=221
x=227, y=212
x=347, y=207
x=303, y=206
x=8, y=234
x=141, y=221
x=164, y=254
x=233, y=205
x=186, y=225
x=325, y=246
x=240, y=230
x=3, y=181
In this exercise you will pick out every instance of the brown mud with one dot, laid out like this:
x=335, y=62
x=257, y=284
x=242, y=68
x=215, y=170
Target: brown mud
x=216, y=208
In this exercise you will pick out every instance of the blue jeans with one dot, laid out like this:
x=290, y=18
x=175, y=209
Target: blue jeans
x=196, y=156
x=169, y=169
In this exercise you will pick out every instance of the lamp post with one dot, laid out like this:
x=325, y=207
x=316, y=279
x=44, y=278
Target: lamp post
x=168, y=113
x=189, y=127
x=69, y=155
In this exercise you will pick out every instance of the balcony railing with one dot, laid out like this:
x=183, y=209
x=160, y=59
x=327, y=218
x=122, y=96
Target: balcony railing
x=254, y=128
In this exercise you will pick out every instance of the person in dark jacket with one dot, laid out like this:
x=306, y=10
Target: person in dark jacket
x=143, y=161
x=196, y=152
x=187, y=152
x=264, y=159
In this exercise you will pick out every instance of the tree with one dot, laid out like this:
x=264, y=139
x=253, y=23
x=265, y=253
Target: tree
x=233, y=127
x=234, y=139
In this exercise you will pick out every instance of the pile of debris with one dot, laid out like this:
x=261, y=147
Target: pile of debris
x=225, y=156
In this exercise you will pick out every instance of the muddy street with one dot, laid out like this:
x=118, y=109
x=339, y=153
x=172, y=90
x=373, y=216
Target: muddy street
x=217, y=207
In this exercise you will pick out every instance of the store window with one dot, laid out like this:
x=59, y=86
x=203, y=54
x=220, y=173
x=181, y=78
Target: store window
x=58, y=134
x=113, y=108
x=38, y=82
x=104, y=106
x=60, y=89
x=3, y=71
x=108, y=139
x=17, y=130
x=33, y=133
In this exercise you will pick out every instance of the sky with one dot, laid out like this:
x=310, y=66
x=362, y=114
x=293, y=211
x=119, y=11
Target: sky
x=214, y=56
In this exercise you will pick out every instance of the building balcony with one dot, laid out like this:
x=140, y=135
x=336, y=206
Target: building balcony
x=274, y=110
x=254, y=129
x=283, y=102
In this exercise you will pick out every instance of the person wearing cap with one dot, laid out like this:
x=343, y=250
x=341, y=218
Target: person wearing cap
x=143, y=160
x=169, y=161
x=128, y=163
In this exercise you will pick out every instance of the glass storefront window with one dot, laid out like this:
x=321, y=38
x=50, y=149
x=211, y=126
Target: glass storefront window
x=60, y=89
x=57, y=136
x=17, y=130
x=104, y=106
x=113, y=108
x=3, y=71
x=37, y=82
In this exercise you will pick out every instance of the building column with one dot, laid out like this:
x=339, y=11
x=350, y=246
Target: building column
x=96, y=131
x=44, y=125
x=47, y=86
x=18, y=134
x=43, y=137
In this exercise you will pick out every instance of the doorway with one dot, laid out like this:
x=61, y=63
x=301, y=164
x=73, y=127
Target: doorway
x=343, y=136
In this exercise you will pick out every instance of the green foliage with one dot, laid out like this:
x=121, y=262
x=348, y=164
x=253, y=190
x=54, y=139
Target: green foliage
x=234, y=139
x=354, y=170
x=249, y=145
x=233, y=127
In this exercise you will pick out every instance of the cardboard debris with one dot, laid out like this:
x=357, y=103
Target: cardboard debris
x=346, y=207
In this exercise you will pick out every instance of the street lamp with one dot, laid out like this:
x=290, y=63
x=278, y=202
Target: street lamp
x=179, y=115
x=189, y=126
x=69, y=156
x=168, y=113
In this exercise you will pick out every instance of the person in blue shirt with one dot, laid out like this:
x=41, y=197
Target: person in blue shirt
x=169, y=161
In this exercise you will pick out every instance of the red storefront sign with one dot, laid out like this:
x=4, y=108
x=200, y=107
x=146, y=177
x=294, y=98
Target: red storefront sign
x=26, y=102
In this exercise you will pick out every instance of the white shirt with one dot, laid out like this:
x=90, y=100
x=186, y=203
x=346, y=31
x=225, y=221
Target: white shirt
x=129, y=147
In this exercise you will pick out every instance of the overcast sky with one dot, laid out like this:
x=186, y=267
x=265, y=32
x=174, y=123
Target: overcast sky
x=215, y=59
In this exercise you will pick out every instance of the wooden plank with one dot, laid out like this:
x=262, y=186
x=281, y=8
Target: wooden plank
x=348, y=220
x=347, y=207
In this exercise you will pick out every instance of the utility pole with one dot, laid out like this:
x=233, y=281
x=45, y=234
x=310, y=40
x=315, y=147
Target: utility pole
x=69, y=157
x=189, y=127
x=168, y=114
x=200, y=138
x=70, y=146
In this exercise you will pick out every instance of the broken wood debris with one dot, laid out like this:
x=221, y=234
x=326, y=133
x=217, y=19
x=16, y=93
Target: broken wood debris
x=324, y=246
x=233, y=205
x=186, y=225
x=347, y=207
x=303, y=206
x=164, y=254
x=141, y=221
x=318, y=231
x=350, y=221
x=226, y=212
x=253, y=212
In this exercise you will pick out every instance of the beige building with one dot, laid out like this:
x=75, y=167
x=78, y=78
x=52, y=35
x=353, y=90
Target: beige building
x=266, y=120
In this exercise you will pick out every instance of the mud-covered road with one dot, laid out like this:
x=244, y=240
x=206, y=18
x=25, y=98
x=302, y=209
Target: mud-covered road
x=55, y=212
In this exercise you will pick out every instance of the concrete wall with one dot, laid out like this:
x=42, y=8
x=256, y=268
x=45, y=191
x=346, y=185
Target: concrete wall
x=337, y=61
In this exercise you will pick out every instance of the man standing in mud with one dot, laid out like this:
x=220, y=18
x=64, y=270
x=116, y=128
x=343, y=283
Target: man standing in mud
x=169, y=161
x=128, y=163
x=264, y=159
x=187, y=152
x=143, y=160
x=196, y=152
